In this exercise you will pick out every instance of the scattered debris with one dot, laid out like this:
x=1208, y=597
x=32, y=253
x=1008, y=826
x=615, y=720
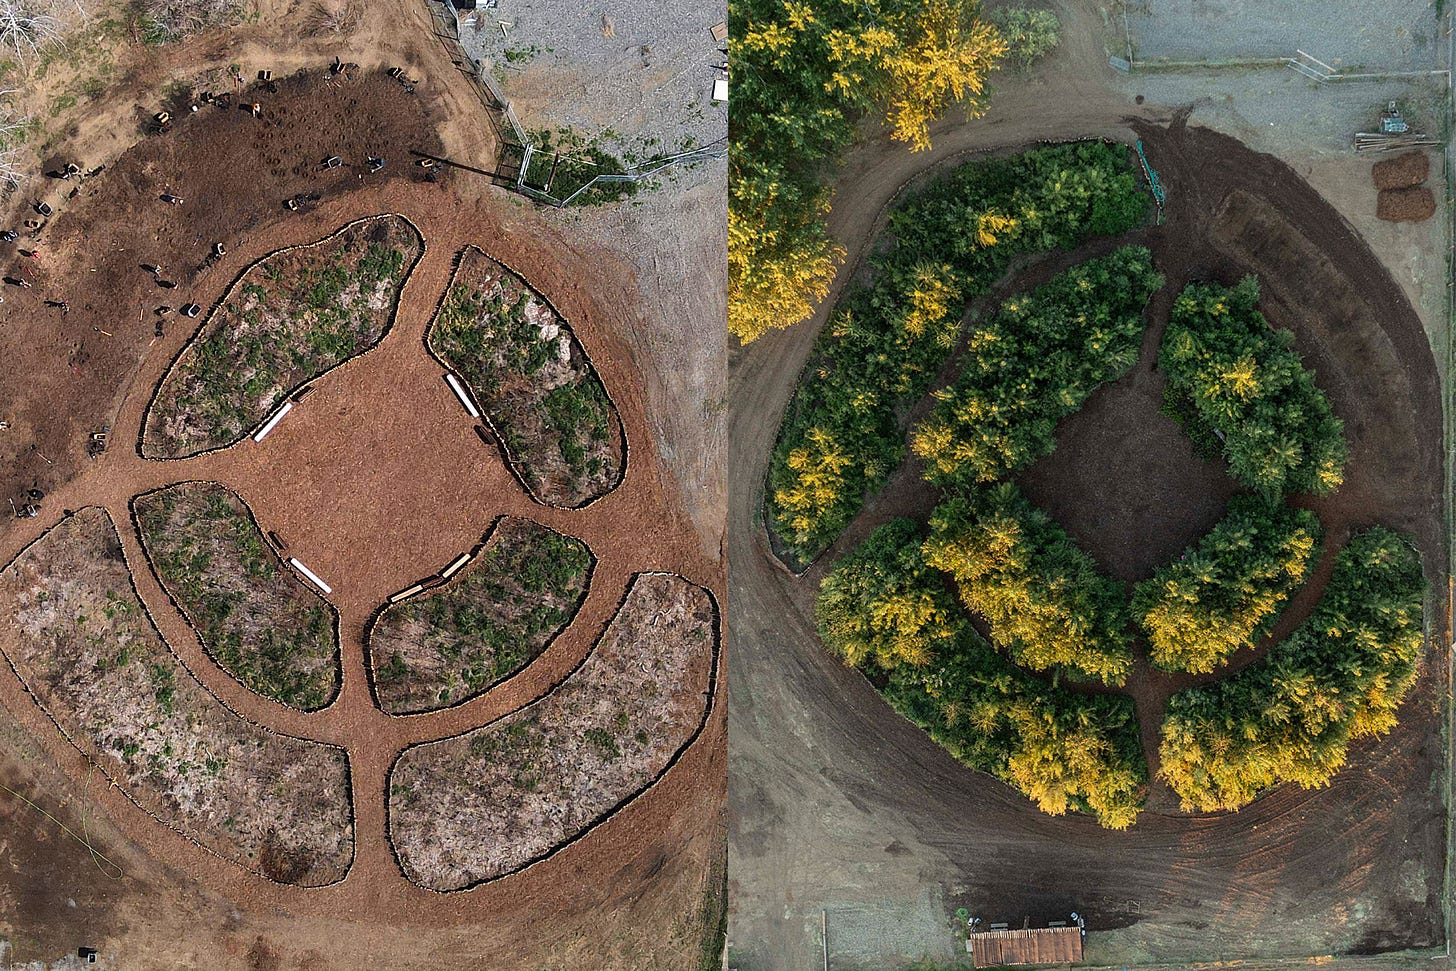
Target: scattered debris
x=1394, y=133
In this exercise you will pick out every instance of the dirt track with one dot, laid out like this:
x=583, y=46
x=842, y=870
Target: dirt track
x=824, y=774
x=370, y=527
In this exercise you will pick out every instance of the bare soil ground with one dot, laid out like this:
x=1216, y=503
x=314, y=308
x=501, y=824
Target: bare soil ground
x=90, y=255
x=533, y=381
x=839, y=805
x=454, y=642
x=472, y=808
x=78, y=637
x=629, y=897
x=288, y=319
x=254, y=617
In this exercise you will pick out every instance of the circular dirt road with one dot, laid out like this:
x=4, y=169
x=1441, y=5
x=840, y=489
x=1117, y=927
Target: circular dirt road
x=375, y=480
x=836, y=803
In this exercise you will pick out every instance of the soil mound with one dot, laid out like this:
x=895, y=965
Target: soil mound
x=1405, y=205
x=1401, y=172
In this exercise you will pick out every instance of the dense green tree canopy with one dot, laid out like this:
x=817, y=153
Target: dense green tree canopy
x=1226, y=592
x=883, y=604
x=886, y=339
x=1047, y=604
x=803, y=74
x=1234, y=378
x=1033, y=364
x=1291, y=716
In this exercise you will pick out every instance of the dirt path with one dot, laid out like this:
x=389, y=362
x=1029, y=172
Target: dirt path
x=374, y=481
x=838, y=804
x=377, y=479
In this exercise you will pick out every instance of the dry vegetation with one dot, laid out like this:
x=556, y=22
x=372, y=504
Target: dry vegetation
x=471, y=808
x=73, y=628
x=453, y=643
x=533, y=380
x=256, y=619
x=289, y=318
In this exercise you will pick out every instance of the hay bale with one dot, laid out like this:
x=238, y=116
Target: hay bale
x=1405, y=205
x=1402, y=171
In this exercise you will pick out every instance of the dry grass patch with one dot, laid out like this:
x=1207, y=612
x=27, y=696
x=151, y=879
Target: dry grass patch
x=453, y=643
x=74, y=629
x=467, y=809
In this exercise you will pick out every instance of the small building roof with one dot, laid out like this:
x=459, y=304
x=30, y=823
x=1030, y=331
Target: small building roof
x=1041, y=945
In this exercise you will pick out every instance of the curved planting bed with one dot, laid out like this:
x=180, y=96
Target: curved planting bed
x=454, y=642
x=844, y=431
x=489, y=802
x=976, y=620
x=290, y=317
x=75, y=632
x=254, y=617
x=533, y=380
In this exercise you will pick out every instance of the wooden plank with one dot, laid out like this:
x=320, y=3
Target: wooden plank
x=1042, y=945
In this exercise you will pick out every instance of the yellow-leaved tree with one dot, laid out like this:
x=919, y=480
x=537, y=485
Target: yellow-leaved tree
x=803, y=75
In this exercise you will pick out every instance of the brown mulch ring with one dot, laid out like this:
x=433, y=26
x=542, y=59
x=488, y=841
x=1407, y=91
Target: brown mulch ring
x=74, y=630
x=480, y=805
x=1401, y=172
x=1405, y=205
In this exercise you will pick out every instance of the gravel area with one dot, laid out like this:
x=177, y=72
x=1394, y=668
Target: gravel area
x=1385, y=35
x=636, y=74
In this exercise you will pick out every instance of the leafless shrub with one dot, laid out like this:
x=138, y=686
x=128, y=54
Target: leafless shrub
x=161, y=21
x=26, y=30
x=331, y=17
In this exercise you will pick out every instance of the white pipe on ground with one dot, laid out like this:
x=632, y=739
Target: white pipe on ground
x=293, y=561
x=455, y=566
x=406, y=593
x=273, y=422
x=459, y=390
